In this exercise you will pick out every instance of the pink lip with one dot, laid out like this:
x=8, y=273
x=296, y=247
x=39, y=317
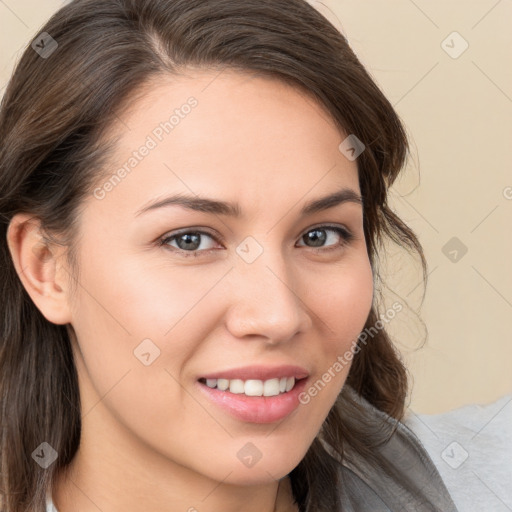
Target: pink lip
x=255, y=409
x=259, y=372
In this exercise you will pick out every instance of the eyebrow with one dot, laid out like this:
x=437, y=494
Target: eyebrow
x=207, y=205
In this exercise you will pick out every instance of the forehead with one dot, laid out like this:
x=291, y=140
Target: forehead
x=224, y=133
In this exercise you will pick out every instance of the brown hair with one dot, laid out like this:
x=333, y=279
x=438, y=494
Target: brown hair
x=53, y=115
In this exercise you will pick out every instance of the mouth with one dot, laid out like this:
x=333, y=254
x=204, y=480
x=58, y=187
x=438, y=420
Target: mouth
x=254, y=401
x=253, y=387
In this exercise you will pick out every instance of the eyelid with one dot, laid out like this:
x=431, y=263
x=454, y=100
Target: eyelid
x=346, y=234
x=202, y=231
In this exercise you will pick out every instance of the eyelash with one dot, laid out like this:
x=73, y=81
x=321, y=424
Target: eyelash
x=346, y=236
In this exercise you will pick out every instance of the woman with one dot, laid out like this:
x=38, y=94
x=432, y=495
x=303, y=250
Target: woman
x=193, y=194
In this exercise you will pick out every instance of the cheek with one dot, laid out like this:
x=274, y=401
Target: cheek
x=139, y=298
x=136, y=329
x=342, y=300
x=139, y=312
x=342, y=297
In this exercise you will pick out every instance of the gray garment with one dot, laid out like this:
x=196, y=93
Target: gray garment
x=472, y=449
x=406, y=480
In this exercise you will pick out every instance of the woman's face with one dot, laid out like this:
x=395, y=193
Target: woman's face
x=171, y=294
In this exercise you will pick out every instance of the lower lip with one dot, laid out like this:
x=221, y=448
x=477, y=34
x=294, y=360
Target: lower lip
x=256, y=409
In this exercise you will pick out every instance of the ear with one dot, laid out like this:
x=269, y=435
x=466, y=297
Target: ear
x=39, y=265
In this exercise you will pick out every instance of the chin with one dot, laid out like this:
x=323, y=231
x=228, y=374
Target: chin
x=276, y=465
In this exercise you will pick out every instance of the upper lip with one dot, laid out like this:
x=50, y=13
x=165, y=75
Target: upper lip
x=258, y=372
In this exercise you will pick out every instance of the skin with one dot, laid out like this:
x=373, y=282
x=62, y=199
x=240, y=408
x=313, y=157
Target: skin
x=150, y=439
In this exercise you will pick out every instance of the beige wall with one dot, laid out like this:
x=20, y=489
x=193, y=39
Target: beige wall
x=458, y=112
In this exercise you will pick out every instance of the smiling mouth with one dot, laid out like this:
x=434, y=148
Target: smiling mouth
x=253, y=387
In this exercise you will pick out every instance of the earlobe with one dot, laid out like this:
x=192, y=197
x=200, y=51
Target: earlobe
x=39, y=268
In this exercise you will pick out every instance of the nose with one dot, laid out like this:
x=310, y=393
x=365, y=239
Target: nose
x=267, y=300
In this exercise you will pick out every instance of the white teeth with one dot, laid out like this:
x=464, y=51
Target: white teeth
x=270, y=387
x=254, y=387
x=236, y=386
x=222, y=384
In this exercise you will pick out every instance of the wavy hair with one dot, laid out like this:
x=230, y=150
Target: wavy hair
x=53, y=117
